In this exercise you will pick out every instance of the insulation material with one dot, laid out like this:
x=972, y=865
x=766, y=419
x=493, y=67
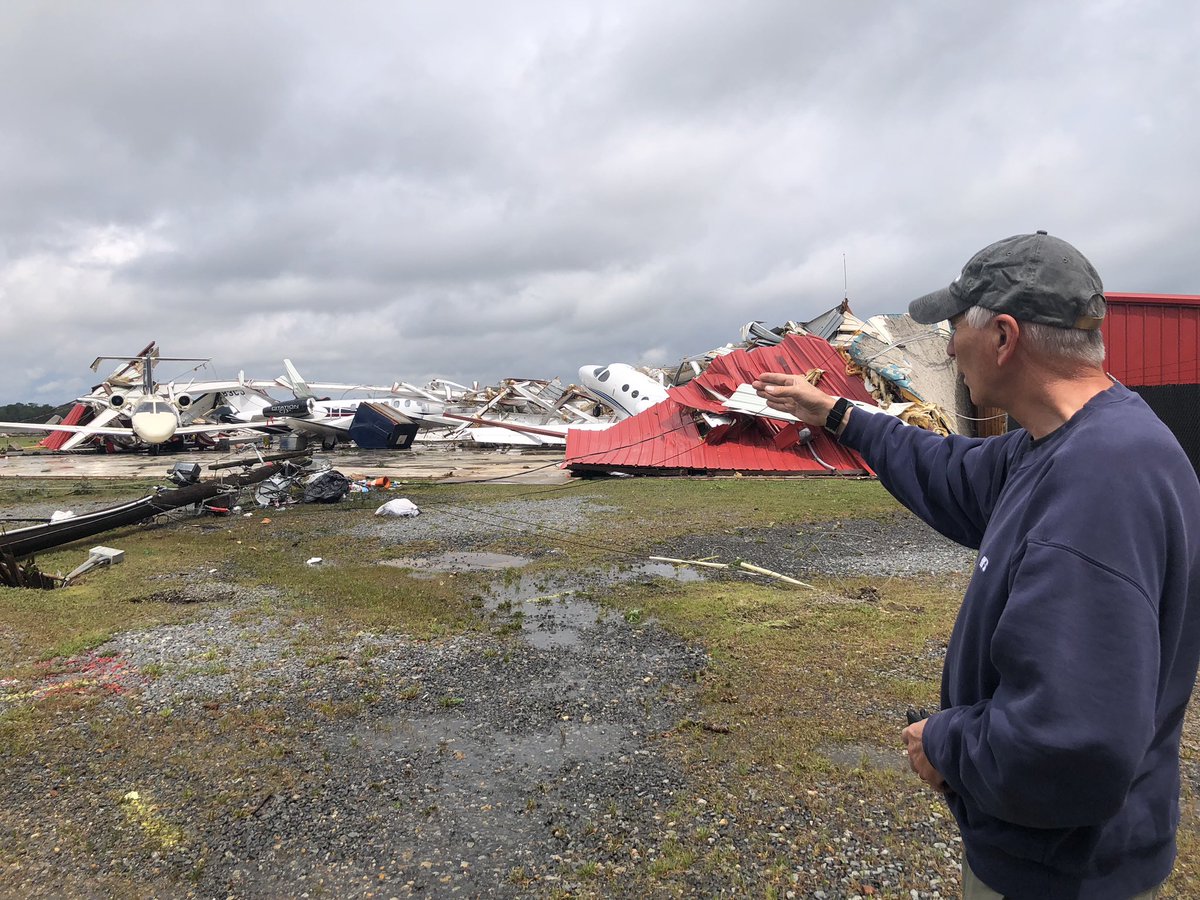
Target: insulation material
x=906, y=361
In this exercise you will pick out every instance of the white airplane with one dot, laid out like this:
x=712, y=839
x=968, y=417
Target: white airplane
x=328, y=419
x=622, y=387
x=154, y=413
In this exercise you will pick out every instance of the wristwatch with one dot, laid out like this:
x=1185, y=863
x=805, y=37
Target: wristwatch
x=834, y=421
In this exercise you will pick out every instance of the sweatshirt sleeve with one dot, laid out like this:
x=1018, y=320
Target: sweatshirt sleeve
x=1059, y=742
x=949, y=482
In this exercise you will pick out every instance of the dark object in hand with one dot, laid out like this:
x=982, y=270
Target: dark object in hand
x=916, y=715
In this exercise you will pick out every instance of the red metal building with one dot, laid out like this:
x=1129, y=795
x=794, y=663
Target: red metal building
x=1153, y=345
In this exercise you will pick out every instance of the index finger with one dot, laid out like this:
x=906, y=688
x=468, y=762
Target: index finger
x=775, y=378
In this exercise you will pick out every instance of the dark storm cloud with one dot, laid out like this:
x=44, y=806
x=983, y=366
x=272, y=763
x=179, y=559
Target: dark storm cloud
x=473, y=190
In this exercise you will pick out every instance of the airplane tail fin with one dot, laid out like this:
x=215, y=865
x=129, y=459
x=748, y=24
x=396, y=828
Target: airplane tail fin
x=299, y=386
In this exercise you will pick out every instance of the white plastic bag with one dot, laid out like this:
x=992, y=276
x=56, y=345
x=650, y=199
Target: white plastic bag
x=398, y=507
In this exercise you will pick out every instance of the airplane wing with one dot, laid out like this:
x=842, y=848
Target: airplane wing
x=227, y=428
x=339, y=387
x=89, y=430
x=317, y=428
x=68, y=429
x=100, y=420
x=204, y=387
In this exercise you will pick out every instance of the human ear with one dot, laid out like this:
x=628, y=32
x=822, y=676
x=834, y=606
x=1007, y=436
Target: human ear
x=1008, y=333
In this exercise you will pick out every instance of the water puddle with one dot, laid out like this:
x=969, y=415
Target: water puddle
x=553, y=611
x=549, y=610
x=457, y=562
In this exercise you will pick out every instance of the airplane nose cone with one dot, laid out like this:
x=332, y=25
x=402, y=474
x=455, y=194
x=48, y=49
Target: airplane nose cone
x=154, y=427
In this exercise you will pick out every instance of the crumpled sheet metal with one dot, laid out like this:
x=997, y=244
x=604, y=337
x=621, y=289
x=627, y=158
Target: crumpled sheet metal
x=666, y=438
x=795, y=355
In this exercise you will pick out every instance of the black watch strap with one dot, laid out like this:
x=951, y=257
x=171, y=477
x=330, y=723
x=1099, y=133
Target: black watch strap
x=834, y=421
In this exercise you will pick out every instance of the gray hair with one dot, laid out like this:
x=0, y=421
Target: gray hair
x=1072, y=344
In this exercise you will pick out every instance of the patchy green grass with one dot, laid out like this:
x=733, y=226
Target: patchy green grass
x=41, y=625
x=351, y=590
x=665, y=502
x=646, y=510
x=794, y=669
x=18, y=441
x=802, y=708
x=53, y=490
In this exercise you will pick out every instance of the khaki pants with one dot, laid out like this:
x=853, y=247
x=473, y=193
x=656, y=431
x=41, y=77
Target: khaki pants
x=974, y=889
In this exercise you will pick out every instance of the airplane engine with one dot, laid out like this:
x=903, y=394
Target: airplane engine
x=116, y=401
x=293, y=408
x=183, y=401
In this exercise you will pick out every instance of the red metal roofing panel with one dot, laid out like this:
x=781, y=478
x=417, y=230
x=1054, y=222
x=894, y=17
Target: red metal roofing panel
x=1153, y=339
x=666, y=436
x=1153, y=299
x=1189, y=342
x=796, y=355
x=55, y=439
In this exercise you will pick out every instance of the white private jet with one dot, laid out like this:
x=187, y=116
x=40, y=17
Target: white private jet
x=329, y=420
x=153, y=414
x=622, y=387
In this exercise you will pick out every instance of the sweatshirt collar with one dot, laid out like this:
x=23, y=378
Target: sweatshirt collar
x=1114, y=394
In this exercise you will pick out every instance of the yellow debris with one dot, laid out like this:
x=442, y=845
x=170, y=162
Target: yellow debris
x=927, y=416
x=157, y=829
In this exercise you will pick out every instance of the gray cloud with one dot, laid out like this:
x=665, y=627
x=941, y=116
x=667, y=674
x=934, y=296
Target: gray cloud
x=474, y=190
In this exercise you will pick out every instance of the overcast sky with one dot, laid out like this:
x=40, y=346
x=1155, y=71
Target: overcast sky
x=474, y=190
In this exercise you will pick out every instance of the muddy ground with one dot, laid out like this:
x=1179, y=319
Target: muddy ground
x=247, y=754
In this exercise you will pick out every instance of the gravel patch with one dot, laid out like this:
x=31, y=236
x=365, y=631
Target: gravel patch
x=480, y=523
x=896, y=546
x=478, y=765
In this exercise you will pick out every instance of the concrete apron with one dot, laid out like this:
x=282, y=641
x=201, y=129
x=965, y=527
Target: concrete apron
x=434, y=463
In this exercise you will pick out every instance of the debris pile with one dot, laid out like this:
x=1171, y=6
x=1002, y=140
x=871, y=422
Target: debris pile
x=713, y=422
x=900, y=365
x=20, y=545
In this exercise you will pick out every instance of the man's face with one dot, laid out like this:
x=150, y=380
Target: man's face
x=966, y=348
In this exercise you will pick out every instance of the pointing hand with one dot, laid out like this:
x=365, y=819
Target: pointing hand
x=793, y=394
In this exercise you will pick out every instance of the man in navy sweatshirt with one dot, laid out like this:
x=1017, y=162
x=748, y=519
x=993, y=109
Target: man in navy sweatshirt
x=1075, y=649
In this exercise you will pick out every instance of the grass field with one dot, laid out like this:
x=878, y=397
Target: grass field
x=19, y=442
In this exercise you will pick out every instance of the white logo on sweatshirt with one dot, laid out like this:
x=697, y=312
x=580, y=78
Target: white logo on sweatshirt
x=983, y=563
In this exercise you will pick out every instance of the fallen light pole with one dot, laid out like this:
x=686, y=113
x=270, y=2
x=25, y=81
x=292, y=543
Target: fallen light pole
x=21, y=543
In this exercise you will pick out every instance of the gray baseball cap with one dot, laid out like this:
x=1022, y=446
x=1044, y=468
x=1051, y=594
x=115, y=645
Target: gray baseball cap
x=1032, y=277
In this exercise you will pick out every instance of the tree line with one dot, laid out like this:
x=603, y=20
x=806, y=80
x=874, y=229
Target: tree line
x=28, y=412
